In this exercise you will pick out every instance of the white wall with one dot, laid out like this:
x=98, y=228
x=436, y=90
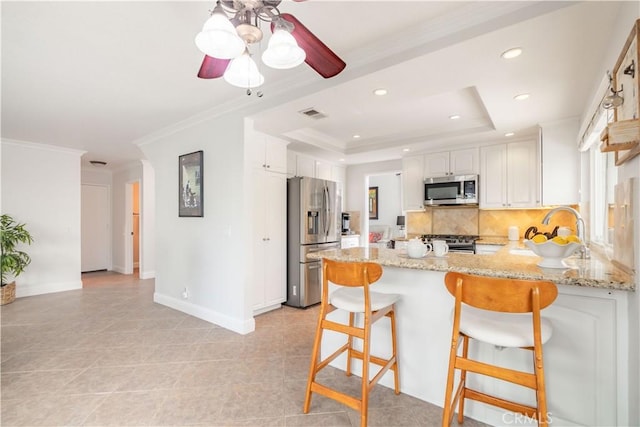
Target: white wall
x=389, y=197
x=629, y=12
x=357, y=189
x=41, y=187
x=205, y=255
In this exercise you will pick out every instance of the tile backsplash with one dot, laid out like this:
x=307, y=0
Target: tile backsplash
x=483, y=222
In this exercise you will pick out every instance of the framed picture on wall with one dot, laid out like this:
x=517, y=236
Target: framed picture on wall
x=190, y=195
x=373, y=202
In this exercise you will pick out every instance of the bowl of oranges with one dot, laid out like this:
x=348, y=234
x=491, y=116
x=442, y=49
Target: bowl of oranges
x=553, y=251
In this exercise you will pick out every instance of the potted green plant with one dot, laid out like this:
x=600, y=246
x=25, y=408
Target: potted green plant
x=14, y=261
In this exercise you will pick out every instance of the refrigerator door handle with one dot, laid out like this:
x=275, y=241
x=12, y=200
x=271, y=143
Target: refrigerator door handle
x=327, y=211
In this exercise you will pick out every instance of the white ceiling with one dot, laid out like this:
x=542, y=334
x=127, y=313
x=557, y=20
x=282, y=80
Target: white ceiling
x=103, y=76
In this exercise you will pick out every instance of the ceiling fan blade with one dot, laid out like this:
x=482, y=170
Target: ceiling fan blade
x=212, y=68
x=319, y=56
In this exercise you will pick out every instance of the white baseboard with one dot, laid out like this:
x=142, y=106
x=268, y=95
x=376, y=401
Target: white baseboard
x=147, y=274
x=27, y=290
x=118, y=269
x=236, y=325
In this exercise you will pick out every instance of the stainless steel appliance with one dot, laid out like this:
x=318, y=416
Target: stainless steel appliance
x=451, y=190
x=312, y=225
x=456, y=243
x=345, y=223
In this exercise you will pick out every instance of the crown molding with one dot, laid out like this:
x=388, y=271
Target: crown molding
x=41, y=147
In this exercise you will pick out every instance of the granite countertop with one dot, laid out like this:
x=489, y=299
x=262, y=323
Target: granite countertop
x=597, y=272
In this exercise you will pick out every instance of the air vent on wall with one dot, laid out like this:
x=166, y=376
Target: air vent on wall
x=313, y=113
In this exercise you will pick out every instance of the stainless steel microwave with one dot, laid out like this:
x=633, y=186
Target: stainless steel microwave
x=451, y=190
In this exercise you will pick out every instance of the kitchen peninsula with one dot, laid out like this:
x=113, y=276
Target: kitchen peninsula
x=586, y=361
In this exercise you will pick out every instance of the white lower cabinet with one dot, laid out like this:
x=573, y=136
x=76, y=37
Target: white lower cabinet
x=269, y=244
x=509, y=176
x=351, y=241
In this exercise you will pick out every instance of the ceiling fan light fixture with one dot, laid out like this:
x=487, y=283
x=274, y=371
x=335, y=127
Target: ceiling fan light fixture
x=219, y=38
x=243, y=72
x=283, y=51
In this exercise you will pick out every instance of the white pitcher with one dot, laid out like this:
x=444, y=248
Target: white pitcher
x=440, y=248
x=417, y=249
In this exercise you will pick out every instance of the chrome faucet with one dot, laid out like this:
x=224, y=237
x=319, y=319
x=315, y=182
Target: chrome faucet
x=584, y=249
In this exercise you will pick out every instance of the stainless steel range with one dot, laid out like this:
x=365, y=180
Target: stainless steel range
x=457, y=243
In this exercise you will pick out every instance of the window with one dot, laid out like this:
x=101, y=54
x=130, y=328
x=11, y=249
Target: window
x=603, y=177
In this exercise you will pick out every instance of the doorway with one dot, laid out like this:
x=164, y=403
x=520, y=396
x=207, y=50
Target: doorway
x=133, y=223
x=95, y=228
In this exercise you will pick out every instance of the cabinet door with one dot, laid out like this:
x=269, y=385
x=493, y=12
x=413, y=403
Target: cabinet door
x=291, y=164
x=436, y=164
x=464, y=162
x=269, y=245
x=493, y=176
x=275, y=155
x=522, y=175
x=306, y=166
x=275, y=281
x=258, y=234
x=323, y=170
x=413, y=183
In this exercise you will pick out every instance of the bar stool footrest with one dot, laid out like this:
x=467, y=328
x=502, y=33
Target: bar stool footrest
x=347, y=399
x=502, y=403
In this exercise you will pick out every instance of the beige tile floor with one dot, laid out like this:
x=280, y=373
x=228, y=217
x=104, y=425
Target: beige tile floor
x=107, y=355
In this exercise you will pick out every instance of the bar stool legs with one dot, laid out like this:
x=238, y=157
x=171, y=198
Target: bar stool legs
x=372, y=306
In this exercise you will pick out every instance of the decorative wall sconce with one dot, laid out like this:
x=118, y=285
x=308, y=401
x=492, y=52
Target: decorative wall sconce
x=614, y=100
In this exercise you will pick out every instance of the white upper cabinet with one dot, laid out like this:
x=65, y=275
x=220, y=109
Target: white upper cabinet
x=509, y=175
x=269, y=153
x=459, y=162
x=413, y=183
x=560, y=163
x=323, y=170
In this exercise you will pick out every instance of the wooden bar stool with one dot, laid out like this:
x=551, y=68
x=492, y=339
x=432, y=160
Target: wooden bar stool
x=505, y=313
x=354, y=297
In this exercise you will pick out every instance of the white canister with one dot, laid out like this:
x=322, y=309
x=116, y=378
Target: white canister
x=514, y=233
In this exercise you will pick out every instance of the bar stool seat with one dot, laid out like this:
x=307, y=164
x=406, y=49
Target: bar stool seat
x=502, y=329
x=506, y=313
x=353, y=296
x=352, y=300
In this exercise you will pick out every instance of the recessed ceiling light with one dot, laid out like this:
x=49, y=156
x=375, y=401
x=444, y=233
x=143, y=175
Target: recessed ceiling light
x=97, y=163
x=342, y=160
x=380, y=92
x=511, y=53
x=521, y=97
x=454, y=116
x=356, y=136
x=509, y=134
x=406, y=149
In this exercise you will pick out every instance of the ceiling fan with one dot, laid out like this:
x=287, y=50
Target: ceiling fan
x=225, y=43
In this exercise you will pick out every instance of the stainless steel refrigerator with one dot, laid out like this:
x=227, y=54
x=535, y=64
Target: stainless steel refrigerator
x=312, y=225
